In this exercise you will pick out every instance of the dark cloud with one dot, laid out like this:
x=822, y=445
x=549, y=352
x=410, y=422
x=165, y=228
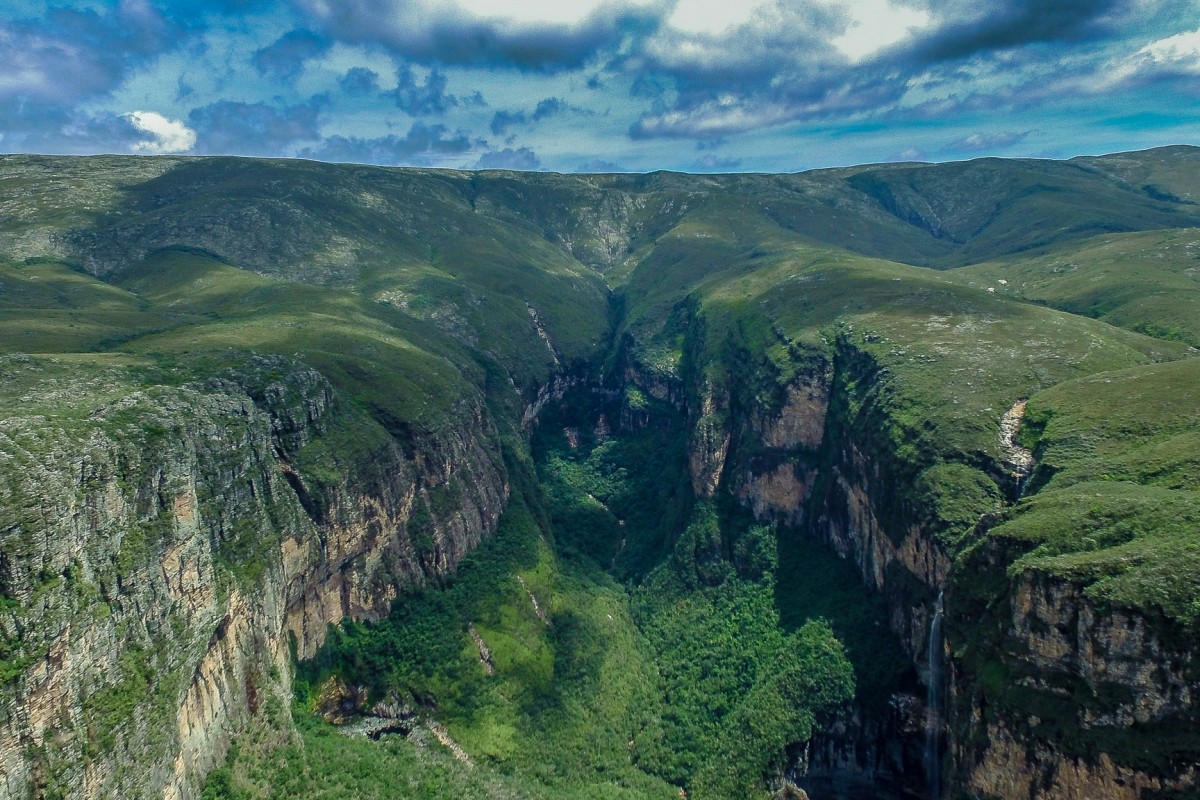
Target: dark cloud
x=445, y=34
x=69, y=55
x=520, y=159
x=1003, y=24
x=255, y=129
x=548, y=108
x=427, y=98
x=781, y=66
x=503, y=120
x=286, y=56
x=419, y=146
x=359, y=81
x=979, y=142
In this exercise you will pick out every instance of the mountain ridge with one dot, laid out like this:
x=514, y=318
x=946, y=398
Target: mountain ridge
x=810, y=383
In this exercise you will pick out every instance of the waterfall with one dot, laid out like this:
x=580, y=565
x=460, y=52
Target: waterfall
x=933, y=705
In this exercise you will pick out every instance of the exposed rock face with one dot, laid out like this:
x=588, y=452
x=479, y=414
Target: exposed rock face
x=1093, y=703
x=710, y=446
x=801, y=422
x=856, y=751
x=1081, y=683
x=163, y=551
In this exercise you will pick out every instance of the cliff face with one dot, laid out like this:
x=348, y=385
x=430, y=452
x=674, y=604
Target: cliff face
x=1072, y=700
x=160, y=552
x=1049, y=694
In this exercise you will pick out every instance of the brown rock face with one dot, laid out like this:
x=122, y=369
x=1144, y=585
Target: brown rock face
x=1131, y=686
x=801, y=423
x=163, y=552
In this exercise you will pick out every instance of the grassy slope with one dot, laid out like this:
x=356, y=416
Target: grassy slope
x=424, y=280
x=1149, y=281
x=1117, y=502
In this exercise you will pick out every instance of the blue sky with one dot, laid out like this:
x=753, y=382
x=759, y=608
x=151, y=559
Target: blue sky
x=582, y=85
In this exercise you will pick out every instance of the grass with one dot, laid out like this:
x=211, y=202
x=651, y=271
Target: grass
x=431, y=300
x=1147, y=282
x=1114, y=502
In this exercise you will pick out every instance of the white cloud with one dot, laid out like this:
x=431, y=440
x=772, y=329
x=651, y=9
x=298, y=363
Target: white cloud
x=711, y=16
x=1179, y=54
x=1180, y=49
x=169, y=135
x=876, y=24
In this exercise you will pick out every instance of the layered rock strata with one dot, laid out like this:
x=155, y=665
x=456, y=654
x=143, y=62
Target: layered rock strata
x=161, y=557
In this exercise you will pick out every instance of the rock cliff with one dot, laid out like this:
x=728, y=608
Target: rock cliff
x=1073, y=699
x=1051, y=694
x=161, y=552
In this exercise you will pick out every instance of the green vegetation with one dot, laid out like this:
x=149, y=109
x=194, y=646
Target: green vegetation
x=1117, y=503
x=682, y=677
x=1147, y=282
x=641, y=638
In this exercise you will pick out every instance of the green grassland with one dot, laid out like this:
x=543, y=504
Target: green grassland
x=1147, y=282
x=686, y=644
x=1117, y=502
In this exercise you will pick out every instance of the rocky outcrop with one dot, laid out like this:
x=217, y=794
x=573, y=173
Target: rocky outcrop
x=868, y=753
x=709, y=446
x=158, y=557
x=1072, y=701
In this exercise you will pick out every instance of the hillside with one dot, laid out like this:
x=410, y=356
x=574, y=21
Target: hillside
x=598, y=486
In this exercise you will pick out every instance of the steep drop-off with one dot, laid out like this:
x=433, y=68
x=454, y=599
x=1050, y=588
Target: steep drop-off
x=264, y=398
x=169, y=550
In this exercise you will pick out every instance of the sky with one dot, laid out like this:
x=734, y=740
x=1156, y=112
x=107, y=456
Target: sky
x=600, y=85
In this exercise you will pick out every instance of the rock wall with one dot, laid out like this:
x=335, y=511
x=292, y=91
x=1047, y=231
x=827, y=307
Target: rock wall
x=1055, y=697
x=1072, y=700
x=159, y=558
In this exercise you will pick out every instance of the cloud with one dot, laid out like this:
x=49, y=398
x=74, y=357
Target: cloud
x=777, y=66
x=39, y=127
x=520, y=159
x=911, y=154
x=967, y=28
x=448, y=33
x=255, y=129
x=286, y=56
x=503, y=120
x=878, y=24
x=1176, y=56
x=420, y=146
x=705, y=117
x=599, y=166
x=69, y=55
x=167, y=135
x=359, y=81
x=428, y=98
x=978, y=142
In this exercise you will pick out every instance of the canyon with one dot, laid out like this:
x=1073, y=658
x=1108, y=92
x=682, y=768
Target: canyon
x=250, y=404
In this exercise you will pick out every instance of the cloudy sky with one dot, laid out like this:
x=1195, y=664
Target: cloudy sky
x=591, y=85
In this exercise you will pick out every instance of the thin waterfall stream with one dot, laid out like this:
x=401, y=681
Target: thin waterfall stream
x=933, y=705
